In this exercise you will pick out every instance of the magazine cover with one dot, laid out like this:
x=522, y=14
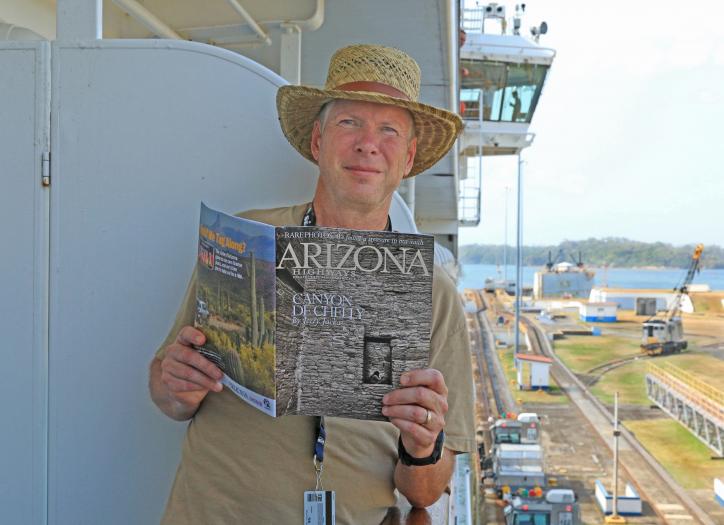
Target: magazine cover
x=235, y=304
x=311, y=320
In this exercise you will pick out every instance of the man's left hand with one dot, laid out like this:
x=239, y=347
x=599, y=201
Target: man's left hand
x=422, y=392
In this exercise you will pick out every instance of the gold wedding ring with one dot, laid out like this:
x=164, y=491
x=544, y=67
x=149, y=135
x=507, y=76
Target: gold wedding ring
x=428, y=418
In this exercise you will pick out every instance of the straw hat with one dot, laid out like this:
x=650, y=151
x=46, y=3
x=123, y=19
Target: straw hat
x=372, y=74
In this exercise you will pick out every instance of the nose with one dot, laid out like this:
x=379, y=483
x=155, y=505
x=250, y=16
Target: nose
x=367, y=142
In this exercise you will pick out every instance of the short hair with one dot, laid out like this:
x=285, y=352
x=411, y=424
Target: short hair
x=324, y=114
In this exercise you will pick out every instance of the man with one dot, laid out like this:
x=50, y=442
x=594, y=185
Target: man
x=366, y=131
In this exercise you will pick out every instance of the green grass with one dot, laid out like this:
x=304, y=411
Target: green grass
x=706, y=368
x=628, y=380
x=686, y=458
x=581, y=353
x=552, y=395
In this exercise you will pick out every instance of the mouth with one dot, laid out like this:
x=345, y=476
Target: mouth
x=363, y=170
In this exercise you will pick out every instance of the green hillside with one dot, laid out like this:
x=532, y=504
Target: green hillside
x=611, y=251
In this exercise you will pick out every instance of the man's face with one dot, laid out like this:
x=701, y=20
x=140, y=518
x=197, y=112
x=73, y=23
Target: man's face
x=363, y=152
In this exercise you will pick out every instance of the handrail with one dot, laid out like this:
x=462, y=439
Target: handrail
x=513, y=46
x=690, y=380
x=464, y=198
x=712, y=400
x=475, y=24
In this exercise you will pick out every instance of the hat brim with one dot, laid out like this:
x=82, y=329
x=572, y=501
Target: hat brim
x=298, y=106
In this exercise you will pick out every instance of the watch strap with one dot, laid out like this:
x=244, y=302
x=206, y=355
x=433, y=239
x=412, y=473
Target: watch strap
x=433, y=458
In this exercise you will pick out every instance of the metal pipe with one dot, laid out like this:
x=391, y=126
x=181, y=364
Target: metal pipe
x=519, y=254
x=453, y=88
x=249, y=20
x=148, y=19
x=505, y=245
x=480, y=157
x=312, y=23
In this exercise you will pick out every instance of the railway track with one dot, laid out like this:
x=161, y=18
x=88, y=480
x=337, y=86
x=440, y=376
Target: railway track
x=653, y=483
x=672, y=505
x=593, y=375
x=488, y=384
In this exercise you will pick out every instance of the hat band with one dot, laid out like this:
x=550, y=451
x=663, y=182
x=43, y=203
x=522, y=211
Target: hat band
x=375, y=87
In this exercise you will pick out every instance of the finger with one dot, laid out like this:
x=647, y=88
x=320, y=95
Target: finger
x=415, y=414
x=191, y=357
x=178, y=386
x=190, y=336
x=176, y=373
x=417, y=395
x=412, y=433
x=428, y=377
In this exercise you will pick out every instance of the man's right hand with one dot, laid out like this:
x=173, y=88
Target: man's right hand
x=181, y=380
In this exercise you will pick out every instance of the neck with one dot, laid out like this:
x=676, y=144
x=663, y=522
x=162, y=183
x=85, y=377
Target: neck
x=350, y=218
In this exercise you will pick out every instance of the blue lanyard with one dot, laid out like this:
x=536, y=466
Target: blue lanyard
x=320, y=441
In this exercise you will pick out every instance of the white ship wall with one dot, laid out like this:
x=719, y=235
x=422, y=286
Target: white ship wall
x=141, y=132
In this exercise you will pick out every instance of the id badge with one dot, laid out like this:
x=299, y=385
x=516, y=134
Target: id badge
x=319, y=507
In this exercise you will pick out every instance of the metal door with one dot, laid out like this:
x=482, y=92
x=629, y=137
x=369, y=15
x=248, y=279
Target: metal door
x=142, y=131
x=24, y=138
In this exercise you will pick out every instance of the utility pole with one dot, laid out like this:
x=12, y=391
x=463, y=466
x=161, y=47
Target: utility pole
x=614, y=517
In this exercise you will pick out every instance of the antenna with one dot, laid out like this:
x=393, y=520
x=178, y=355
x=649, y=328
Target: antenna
x=539, y=30
x=517, y=19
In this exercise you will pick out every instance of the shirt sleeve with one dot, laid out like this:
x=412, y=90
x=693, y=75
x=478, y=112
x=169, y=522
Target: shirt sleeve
x=450, y=354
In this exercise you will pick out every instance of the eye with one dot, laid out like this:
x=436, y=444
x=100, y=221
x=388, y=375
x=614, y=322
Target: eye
x=347, y=122
x=389, y=130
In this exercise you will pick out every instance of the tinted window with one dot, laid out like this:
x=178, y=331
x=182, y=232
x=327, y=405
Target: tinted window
x=508, y=92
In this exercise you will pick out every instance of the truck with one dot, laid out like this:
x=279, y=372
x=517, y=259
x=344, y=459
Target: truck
x=554, y=507
x=517, y=466
x=522, y=430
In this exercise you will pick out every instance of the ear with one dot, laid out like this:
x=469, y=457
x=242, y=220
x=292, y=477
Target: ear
x=411, y=150
x=316, y=139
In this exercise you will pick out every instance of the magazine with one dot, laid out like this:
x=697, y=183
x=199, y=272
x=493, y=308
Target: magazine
x=311, y=320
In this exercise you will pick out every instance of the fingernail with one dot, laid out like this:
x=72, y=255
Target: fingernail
x=384, y=411
x=199, y=340
x=385, y=398
x=219, y=387
x=404, y=380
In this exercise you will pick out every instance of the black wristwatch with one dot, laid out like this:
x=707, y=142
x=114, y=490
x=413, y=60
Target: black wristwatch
x=433, y=458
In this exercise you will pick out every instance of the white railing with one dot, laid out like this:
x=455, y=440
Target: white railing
x=472, y=20
x=470, y=191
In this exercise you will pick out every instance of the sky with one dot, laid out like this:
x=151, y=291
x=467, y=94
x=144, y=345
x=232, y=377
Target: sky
x=629, y=129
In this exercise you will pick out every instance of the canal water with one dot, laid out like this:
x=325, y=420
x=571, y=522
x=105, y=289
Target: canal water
x=474, y=275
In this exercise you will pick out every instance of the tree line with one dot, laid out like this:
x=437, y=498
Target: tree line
x=610, y=251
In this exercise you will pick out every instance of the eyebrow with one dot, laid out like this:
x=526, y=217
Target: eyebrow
x=396, y=123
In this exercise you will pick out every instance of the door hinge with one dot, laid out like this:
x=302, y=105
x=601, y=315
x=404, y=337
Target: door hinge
x=45, y=169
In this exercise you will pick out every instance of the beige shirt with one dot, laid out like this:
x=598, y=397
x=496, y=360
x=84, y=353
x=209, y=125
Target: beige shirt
x=239, y=465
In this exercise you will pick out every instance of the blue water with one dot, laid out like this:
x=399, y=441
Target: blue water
x=474, y=275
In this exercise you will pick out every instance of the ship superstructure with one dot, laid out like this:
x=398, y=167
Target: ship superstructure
x=502, y=76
